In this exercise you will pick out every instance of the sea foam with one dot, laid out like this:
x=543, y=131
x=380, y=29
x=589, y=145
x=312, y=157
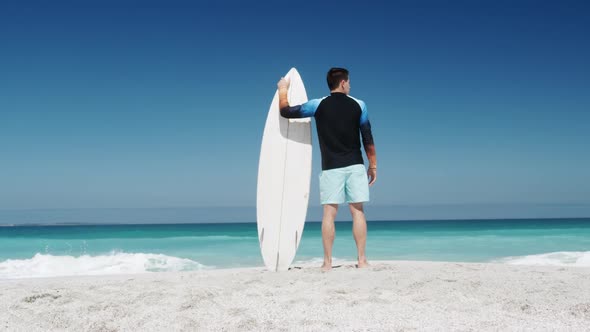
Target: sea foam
x=560, y=258
x=44, y=265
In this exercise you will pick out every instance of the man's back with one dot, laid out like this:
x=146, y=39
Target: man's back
x=338, y=120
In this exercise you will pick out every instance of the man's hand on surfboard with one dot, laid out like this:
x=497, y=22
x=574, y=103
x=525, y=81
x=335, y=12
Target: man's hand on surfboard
x=283, y=87
x=283, y=84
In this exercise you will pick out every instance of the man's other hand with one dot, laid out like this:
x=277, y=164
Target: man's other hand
x=372, y=174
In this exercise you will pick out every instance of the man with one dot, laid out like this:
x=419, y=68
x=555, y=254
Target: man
x=339, y=119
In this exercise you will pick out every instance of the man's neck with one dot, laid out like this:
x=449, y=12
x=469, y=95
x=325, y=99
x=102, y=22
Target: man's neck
x=338, y=91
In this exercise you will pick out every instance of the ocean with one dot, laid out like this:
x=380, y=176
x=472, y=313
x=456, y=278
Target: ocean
x=60, y=250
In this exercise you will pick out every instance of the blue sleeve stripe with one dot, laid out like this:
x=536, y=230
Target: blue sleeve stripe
x=364, y=114
x=365, y=125
x=308, y=109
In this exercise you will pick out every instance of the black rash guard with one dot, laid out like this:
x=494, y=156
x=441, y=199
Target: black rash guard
x=339, y=119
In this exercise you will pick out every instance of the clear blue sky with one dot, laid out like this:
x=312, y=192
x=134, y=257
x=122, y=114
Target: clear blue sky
x=162, y=104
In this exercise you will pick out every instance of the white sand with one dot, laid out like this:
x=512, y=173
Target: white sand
x=389, y=296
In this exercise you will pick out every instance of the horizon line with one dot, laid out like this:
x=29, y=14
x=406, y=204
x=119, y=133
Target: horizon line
x=310, y=206
x=307, y=221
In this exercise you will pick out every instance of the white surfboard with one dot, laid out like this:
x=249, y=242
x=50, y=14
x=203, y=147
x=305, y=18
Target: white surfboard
x=284, y=174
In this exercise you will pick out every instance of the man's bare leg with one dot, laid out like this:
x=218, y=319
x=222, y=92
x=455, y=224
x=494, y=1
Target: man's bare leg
x=359, y=231
x=328, y=233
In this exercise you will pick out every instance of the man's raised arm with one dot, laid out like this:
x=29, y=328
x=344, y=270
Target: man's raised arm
x=305, y=110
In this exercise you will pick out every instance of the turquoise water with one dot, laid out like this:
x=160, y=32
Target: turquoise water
x=95, y=249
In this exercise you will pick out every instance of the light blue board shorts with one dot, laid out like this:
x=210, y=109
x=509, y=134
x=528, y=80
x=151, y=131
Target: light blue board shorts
x=344, y=185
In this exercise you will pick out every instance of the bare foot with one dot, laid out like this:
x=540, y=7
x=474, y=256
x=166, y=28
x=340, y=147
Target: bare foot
x=362, y=264
x=326, y=267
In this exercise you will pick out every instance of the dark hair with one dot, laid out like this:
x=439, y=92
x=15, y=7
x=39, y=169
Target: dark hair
x=335, y=76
